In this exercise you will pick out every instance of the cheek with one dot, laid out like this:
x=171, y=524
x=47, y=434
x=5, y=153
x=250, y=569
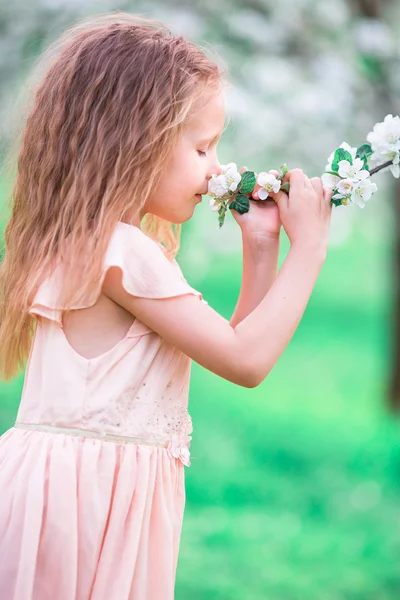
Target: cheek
x=182, y=181
x=189, y=179
x=197, y=171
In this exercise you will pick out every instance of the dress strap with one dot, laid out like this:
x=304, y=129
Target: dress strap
x=101, y=435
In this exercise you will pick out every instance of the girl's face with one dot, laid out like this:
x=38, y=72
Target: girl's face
x=191, y=163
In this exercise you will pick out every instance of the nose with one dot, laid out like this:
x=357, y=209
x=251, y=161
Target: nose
x=218, y=169
x=214, y=169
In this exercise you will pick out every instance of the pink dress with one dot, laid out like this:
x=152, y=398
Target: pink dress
x=92, y=474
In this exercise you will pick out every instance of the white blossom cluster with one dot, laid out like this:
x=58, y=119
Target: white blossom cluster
x=385, y=143
x=222, y=186
x=353, y=182
x=347, y=172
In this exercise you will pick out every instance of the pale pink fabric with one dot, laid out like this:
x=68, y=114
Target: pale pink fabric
x=85, y=518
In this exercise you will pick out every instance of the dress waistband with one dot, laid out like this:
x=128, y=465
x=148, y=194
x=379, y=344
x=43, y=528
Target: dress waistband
x=90, y=434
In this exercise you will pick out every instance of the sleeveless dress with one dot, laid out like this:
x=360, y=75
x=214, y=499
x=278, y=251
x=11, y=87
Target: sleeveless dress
x=92, y=473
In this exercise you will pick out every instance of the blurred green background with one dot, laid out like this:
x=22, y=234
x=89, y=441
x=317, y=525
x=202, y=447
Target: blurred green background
x=294, y=487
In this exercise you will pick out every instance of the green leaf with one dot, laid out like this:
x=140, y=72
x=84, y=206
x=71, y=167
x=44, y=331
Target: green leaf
x=336, y=201
x=221, y=215
x=285, y=187
x=340, y=154
x=283, y=170
x=364, y=152
x=247, y=182
x=241, y=204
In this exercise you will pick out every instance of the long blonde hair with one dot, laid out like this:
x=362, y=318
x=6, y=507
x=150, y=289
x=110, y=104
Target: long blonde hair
x=114, y=94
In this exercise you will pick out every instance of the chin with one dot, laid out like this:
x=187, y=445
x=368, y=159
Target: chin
x=188, y=217
x=176, y=221
x=176, y=218
x=179, y=219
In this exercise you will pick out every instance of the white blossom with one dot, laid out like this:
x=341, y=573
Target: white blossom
x=346, y=186
x=227, y=181
x=215, y=204
x=217, y=186
x=385, y=143
x=354, y=171
x=330, y=181
x=363, y=191
x=269, y=183
x=353, y=182
x=358, y=192
x=232, y=175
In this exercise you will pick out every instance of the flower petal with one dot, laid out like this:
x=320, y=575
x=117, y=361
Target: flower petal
x=395, y=169
x=363, y=175
x=330, y=181
x=344, y=167
x=262, y=178
x=262, y=194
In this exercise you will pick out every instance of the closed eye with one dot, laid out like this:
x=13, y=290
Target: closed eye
x=201, y=153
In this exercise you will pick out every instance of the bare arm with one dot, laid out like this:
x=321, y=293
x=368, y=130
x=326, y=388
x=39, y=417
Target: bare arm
x=267, y=331
x=244, y=354
x=260, y=269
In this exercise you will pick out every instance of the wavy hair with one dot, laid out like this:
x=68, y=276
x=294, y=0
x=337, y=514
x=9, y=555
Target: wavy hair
x=113, y=95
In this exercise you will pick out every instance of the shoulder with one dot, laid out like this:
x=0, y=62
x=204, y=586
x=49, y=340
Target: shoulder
x=124, y=232
x=132, y=243
x=146, y=270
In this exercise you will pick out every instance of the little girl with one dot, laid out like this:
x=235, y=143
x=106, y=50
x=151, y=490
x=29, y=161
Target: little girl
x=115, y=154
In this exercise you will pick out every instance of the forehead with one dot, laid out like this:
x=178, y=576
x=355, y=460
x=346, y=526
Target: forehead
x=208, y=114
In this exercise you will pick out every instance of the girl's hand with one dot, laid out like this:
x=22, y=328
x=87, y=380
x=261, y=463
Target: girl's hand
x=263, y=218
x=306, y=212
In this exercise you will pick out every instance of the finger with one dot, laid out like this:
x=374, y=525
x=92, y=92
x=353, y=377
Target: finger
x=328, y=193
x=317, y=184
x=307, y=182
x=295, y=177
x=237, y=216
x=279, y=197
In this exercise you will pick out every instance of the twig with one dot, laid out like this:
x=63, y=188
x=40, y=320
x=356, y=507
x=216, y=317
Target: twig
x=380, y=167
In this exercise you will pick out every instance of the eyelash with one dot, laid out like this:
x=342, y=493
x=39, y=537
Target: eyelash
x=201, y=153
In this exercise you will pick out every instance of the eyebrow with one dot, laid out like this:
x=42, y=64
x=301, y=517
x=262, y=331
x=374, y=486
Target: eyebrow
x=212, y=140
x=217, y=136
